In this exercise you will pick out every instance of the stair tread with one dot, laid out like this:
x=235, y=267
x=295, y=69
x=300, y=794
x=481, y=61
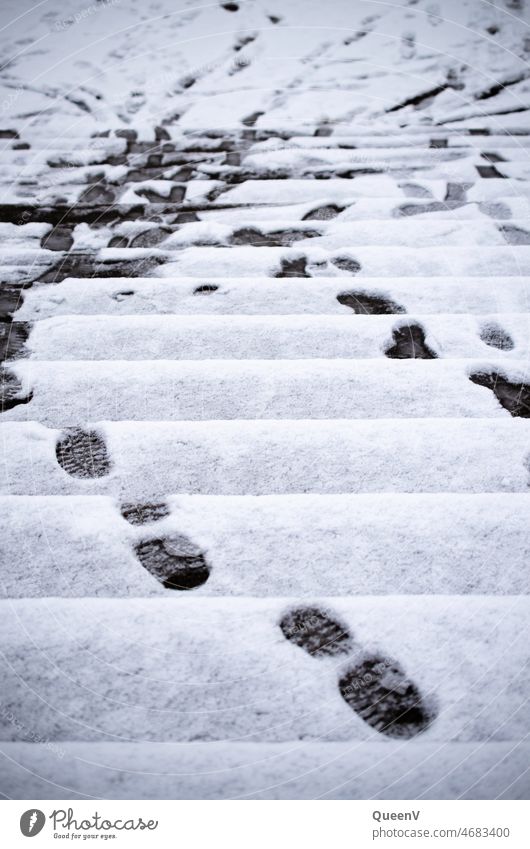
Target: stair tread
x=151, y=458
x=222, y=669
x=293, y=770
x=69, y=392
x=271, y=545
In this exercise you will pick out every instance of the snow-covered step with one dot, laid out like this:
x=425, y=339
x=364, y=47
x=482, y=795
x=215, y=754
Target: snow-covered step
x=281, y=164
x=100, y=192
x=301, y=770
x=432, y=206
x=223, y=669
x=388, y=143
x=329, y=235
x=259, y=138
x=148, y=460
x=206, y=337
x=378, y=185
x=303, y=545
x=70, y=392
x=418, y=200
x=248, y=261
x=274, y=153
x=358, y=261
x=272, y=296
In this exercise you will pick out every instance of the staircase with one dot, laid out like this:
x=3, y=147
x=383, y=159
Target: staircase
x=266, y=455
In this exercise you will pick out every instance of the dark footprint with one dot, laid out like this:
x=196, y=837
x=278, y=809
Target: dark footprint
x=495, y=209
x=293, y=268
x=489, y=172
x=11, y=391
x=174, y=561
x=86, y=265
x=11, y=299
x=515, y=235
x=176, y=195
x=82, y=453
x=363, y=304
x=250, y=120
x=58, y=239
x=323, y=213
x=205, y=289
x=13, y=338
x=186, y=218
x=118, y=242
x=98, y=195
x=140, y=513
x=150, y=238
x=409, y=343
x=375, y=687
x=496, y=336
x=455, y=198
x=277, y=239
x=346, y=263
x=316, y=632
x=493, y=157
x=514, y=397
x=457, y=193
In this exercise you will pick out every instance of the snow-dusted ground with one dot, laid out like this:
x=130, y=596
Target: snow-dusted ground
x=264, y=320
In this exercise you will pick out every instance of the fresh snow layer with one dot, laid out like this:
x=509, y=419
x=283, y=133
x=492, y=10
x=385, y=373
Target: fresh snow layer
x=67, y=393
x=374, y=261
x=272, y=337
x=297, y=545
x=151, y=459
x=296, y=770
x=310, y=64
x=341, y=233
x=220, y=669
x=270, y=296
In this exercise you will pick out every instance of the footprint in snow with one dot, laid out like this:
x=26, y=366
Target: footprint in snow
x=375, y=686
x=82, y=453
x=364, y=304
x=514, y=397
x=175, y=561
x=409, y=343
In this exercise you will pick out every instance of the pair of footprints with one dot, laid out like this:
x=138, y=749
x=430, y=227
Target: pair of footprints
x=174, y=560
x=373, y=685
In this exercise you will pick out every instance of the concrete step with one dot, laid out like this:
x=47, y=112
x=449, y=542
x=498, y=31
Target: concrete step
x=150, y=459
x=329, y=235
x=359, y=262
x=275, y=545
x=125, y=670
x=67, y=393
x=249, y=337
x=269, y=296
